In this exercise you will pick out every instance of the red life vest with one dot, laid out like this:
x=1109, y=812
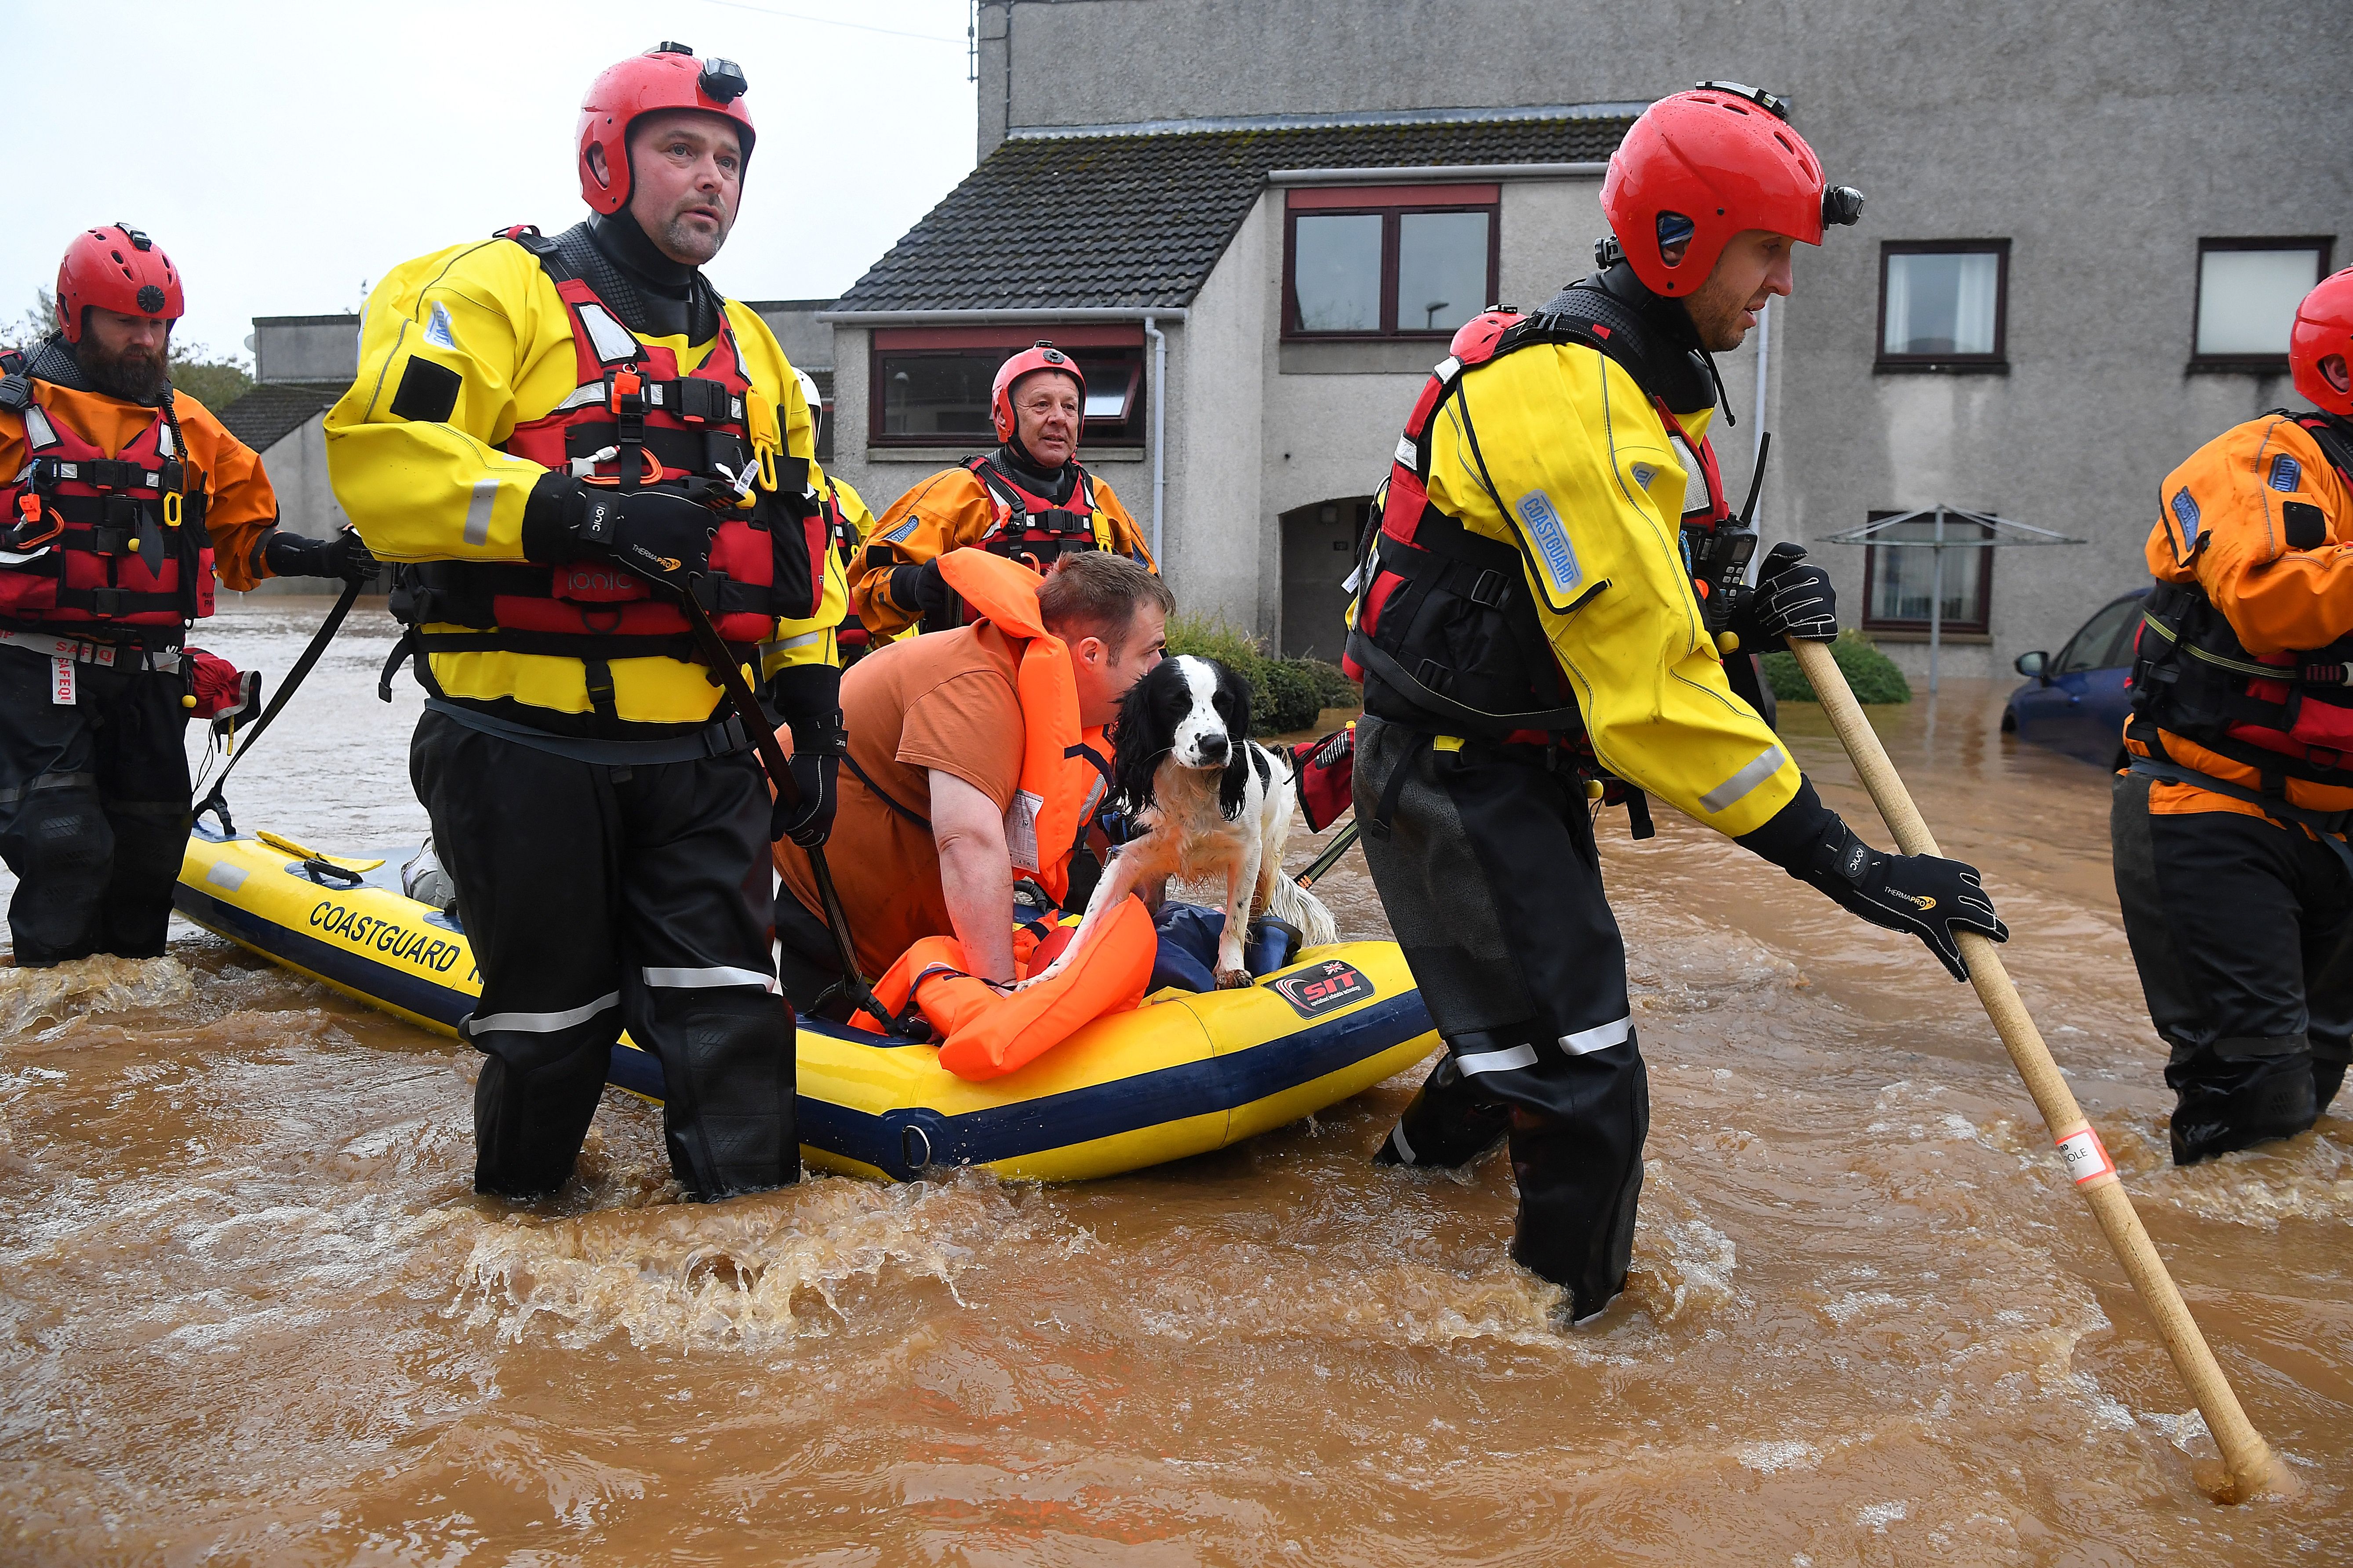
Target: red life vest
x=635, y=421
x=1027, y=527
x=91, y=539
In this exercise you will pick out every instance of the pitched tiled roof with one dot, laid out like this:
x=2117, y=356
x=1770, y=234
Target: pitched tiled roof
x=1080, y=221
x=276, y=409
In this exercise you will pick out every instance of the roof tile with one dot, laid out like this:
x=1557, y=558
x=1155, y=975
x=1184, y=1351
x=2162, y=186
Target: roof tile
x=1100, y=222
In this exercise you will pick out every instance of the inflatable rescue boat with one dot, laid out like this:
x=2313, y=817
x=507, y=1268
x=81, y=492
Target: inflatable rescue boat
x=1182, y=1074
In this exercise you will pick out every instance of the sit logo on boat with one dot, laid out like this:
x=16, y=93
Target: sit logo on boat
x=1323, y=987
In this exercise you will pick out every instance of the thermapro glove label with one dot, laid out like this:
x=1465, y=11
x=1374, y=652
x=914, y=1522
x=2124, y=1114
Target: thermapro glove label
x=2086, y=1156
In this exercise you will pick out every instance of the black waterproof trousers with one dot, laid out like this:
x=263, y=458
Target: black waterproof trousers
x=93, y=804
x=597, y=897
x=1492, y=883
x=2242, y=931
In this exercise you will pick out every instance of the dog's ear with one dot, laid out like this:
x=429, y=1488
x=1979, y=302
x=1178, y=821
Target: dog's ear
x=1236, y=692
x=1137, y=747
x=1233, y=784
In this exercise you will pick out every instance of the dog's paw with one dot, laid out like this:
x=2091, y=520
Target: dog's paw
x=1233, y=979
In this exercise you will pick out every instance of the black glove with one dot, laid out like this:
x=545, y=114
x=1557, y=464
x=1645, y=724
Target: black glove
x=293, y=555
x=809, y=697
x=922, y=589
x=659, y=534
x=1790, y=600
x=1929, y=897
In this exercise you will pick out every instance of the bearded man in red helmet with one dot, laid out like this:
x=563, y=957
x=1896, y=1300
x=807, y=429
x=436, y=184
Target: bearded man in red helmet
x=2229, y=825
x=558, y=439
x=126, y=499
x=1028, y=499
x=1544, y=606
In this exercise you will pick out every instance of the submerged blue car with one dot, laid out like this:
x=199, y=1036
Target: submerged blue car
x=2077, y=702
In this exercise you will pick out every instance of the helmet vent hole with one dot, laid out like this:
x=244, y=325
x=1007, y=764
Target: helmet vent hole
x=1784, y=141
x=118, y=257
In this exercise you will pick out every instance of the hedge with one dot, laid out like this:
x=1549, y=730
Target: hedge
x=1872, y=674
x=1286, y=694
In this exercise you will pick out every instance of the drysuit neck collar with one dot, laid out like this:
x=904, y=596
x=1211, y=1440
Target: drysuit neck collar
x=1665, y=354
x=1054, y=484
x=628, y=247
x=53, y=360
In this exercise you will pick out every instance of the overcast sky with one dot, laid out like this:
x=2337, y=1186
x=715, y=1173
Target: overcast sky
x=283, y=153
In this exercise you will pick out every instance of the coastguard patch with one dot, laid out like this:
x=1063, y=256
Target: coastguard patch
x=902, y=532
x=1540, y=520
x=1643, y=474
x=2285, y=472
x=438, y=330
x=2185, y=512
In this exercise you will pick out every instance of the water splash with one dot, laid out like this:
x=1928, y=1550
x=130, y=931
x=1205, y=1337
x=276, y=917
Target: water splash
x=88, y=986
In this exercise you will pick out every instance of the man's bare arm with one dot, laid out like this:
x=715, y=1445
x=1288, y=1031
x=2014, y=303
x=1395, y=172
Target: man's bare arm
x=975, y=874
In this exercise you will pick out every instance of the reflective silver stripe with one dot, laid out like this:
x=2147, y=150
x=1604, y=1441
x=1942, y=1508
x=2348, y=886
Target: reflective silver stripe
x=163, y=449
x=718, y=974
x=1732, y=791
x=221, y=874
x=1599, y=1038
x=478, y=512
x=613, y=341
x=1397, y=1141
x=801, y=641
x=1505, y=1061
x=541, y=1023
x=1406, y=453
x=1446, y=368
x=38, y=432
x=582, y=397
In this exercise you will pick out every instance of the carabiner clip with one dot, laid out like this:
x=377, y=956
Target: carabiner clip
x=767, y=459
x=171, y=509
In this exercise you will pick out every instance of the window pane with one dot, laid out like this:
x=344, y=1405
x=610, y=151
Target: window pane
x=944, y=395
x=1942, y=303
x=1442, y=269
x=1902, y=579
x=1338, y=273
x=2247, y=299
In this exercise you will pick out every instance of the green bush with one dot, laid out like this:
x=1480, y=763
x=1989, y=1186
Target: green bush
x=1332, y=684
x=1286, y=694
x=1872, y=674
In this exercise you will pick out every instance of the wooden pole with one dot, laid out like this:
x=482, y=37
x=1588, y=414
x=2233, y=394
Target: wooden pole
x=2247, y=1457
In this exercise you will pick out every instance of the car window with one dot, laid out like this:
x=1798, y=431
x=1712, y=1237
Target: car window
x=2088, y=648
x=2120, y=652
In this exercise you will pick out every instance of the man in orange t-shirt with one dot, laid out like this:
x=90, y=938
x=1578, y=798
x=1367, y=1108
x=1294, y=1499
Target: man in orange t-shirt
x=120, y=502
x=935, y=738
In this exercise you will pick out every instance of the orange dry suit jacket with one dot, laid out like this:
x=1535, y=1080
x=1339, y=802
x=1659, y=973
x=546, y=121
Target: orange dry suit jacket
x=2222, y=527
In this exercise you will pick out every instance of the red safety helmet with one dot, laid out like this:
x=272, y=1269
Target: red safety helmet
x=1700, y=167
x=2324, y=326
x=667, y=76
x=116, y=268
x=1043, y=356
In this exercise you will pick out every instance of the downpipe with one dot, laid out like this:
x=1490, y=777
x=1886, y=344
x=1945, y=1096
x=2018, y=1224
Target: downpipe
x=1159, y=431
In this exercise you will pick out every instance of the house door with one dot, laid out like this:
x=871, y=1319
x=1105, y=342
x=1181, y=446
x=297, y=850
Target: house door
x=1319, y=549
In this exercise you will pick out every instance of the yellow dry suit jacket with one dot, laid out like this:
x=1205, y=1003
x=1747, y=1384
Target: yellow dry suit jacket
x=1589, y=488
x=420, y=490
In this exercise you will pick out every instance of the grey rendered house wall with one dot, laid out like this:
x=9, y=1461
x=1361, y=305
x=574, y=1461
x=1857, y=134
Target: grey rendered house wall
x=2102, y=139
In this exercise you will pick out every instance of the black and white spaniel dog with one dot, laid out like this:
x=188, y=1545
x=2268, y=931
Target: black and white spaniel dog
x=1209, y=799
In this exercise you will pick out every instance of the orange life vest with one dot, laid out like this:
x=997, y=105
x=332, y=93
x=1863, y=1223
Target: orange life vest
x=986, y=1033
x=1064, y=766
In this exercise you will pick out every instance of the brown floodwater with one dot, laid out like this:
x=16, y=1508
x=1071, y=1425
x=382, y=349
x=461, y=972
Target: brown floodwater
x=251, y=1309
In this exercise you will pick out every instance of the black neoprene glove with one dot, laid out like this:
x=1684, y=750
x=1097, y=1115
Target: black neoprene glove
x=1791, y=599
x=809, y=697
x=293, y=555
x=922, y=589
x=662, y=535
x=1929, y=897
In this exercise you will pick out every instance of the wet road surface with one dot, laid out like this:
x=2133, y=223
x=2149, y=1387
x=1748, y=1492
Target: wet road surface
x=251, y=1311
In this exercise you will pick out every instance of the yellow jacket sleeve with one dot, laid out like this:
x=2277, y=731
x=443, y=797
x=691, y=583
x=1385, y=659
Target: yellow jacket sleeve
x=1571, y=464
x=453, y=348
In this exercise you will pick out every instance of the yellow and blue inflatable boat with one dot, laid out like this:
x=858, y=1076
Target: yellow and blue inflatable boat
x=1182, y=1074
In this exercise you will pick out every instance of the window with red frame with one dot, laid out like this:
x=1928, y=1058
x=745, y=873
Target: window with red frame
x=1388, y=261
x=929, y=387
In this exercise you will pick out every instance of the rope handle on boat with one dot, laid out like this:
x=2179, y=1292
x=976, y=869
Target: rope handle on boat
x=216, y=802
